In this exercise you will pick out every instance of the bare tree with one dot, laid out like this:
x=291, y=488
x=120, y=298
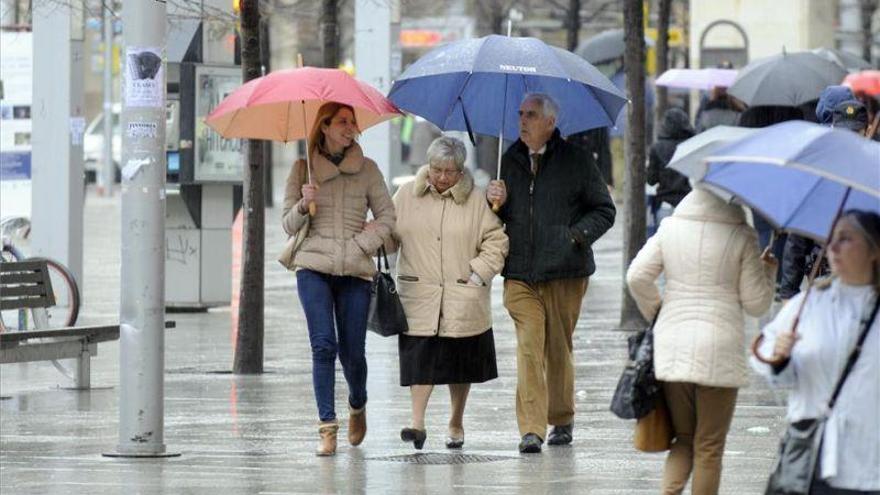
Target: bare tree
x=330, y=33
x=634, y=173
x=662, y=60
x=249, y=344
x=575, y=17
x=868, y=7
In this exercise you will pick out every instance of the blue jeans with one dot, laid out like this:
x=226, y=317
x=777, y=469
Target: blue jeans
x=336, y=313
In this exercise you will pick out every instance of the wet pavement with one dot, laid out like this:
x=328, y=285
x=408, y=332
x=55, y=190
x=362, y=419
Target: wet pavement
x=256, y=434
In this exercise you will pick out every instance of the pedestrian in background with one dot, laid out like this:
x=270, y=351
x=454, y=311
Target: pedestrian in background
x=555, y=205
x=451, y=246
x=813, y=360
x=334, y=266
x=672, y=186
x=714, y=270
x=836, y=108
x=719, y=109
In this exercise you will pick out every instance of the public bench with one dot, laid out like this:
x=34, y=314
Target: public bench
x=27, y=285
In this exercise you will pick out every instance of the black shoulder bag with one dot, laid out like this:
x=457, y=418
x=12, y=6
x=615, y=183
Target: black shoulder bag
x=799, y=449
x=637, y=390
x=385, y=316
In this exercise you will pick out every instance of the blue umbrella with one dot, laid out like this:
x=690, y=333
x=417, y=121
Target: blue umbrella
x=800, y=175
x=477, y=85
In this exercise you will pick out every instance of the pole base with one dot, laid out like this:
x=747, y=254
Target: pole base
x=130, y=455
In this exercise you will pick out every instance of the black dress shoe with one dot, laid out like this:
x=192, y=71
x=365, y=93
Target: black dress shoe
x=417, y=437
x=530, y=444
x=560, y=435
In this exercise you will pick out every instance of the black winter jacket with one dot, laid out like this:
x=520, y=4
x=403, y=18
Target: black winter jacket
x=553, y=218
x=673, y=186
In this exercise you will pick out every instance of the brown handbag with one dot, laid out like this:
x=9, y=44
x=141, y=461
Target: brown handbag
x=654, y=432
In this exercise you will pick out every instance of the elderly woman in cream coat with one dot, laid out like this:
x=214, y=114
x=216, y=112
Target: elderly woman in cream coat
x=451, y=246
x=714, y=271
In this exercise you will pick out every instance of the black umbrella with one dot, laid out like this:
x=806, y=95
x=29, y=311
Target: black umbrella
x=787, y=79
x=844, y=59
x=605, y=46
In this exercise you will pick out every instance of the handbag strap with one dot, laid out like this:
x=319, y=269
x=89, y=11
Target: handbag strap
x=854, y=355
x=381, y=255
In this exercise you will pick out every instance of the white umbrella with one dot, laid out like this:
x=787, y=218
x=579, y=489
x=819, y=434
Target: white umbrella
x=689, y=155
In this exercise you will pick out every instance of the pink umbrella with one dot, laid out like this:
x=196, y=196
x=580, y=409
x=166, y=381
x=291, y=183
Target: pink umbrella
x=697, y=78
x=281, y=106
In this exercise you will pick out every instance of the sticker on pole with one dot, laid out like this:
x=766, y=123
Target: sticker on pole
x=144, y=78
x=142, y=130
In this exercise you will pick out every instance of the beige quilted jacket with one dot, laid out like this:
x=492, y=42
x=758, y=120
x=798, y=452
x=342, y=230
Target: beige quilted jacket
x=337, y=243
x=711, y=261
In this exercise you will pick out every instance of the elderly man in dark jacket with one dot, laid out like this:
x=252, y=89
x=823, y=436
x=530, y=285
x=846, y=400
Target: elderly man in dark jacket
x=555, y=205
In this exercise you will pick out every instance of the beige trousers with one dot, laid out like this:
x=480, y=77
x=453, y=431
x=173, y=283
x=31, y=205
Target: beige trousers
x=545, y=315
x=701, y=417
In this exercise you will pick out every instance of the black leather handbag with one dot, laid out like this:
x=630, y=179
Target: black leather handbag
x=637, y=390
x=386, y=316
x=799, y=449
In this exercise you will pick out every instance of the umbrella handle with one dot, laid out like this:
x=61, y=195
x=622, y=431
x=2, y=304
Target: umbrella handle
x=313, y=209
x=496, y=206
x=756, y=344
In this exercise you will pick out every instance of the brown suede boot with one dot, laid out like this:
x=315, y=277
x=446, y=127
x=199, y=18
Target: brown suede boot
x=357, y=425
x=327, y=431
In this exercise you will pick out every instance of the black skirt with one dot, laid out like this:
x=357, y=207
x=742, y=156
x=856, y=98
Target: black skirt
x=444, y=360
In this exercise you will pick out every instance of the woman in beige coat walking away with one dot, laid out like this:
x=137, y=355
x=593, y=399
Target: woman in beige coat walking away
x=714, y=270
x=451, y=246
x=333, y=264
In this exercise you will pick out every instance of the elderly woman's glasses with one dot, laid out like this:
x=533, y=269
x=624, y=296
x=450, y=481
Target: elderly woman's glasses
x=446, y=173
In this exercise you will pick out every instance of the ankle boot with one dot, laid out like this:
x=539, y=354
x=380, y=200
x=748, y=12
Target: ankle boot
x=357, y=425
x=327, y=430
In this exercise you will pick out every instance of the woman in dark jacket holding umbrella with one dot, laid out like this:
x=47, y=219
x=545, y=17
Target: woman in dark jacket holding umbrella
x=672, y=186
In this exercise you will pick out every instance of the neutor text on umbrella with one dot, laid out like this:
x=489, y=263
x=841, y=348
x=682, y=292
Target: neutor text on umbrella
x=518, y=68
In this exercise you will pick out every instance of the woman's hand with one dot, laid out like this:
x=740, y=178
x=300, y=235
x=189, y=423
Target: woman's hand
x=371, y=226
x=784, y=343
x=309, y=193
x=768, y=258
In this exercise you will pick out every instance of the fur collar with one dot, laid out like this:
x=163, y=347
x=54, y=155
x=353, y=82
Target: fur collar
x=459, y=192
x=324, y=170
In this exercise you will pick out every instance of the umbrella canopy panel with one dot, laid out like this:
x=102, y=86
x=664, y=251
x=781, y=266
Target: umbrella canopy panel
x=864, y=82
x=844, y=59
x=605, y=46
x=697, y=78
x=839, y=155
x=792, y=200
x=787, y=79
x=689, y=154
x=477, y=83
x=282, y=106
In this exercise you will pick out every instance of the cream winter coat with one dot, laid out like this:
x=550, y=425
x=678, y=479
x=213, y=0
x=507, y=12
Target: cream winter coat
x=711, y=261
x=442, y=239
x=337, y=243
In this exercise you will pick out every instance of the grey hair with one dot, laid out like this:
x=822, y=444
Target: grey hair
x=446, y=148
x=548, y=104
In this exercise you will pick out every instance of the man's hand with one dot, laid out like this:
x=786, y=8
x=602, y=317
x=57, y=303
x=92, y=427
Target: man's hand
x=496, y=193
x=371, y=226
